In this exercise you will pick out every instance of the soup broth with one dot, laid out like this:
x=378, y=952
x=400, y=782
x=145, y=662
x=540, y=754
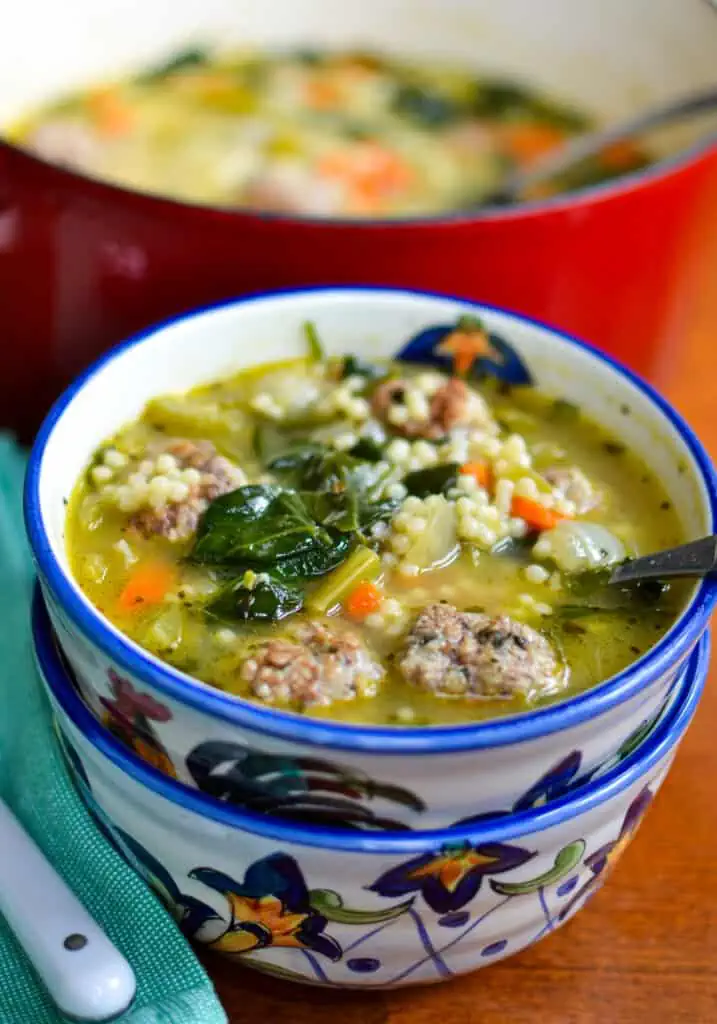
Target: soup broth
x=384, y=544
x=347, y=134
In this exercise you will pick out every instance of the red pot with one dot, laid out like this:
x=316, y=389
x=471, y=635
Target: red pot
x=83, y=264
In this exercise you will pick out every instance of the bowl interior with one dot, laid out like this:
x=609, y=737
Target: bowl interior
x=611, y=58
x=369, y=322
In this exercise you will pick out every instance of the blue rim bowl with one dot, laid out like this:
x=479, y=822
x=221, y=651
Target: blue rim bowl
x=657, y=746
x=671, y=647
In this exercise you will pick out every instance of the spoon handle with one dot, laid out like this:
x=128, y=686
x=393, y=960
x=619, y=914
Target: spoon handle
x=698, y=558
x=584, y=146
x=86, y=977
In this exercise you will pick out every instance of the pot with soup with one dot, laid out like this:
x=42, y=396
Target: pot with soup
x=158, y=161
x=342, y=554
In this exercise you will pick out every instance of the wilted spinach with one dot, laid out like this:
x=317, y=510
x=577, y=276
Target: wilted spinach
x=193, y=57
x=352, y=366
x=269, y=601
x=256, y=525
x=434, y=480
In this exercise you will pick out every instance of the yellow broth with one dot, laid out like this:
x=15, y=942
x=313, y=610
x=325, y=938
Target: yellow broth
x=106, y=550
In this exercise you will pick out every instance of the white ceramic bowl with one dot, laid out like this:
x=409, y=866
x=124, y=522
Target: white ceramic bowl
x=344, y=908
x=419, y=778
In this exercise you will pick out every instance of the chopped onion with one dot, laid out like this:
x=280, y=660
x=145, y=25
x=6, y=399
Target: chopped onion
x=580, y=546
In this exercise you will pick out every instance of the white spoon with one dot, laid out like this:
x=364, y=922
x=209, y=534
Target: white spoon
x=86, y=977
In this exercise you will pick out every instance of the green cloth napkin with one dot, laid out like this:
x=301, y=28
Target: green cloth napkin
x=172, y=988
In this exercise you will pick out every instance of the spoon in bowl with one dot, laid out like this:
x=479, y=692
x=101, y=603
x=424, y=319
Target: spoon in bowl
x=696, y=559
x=593, y=143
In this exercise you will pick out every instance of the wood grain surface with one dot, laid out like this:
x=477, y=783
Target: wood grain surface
x=645, y=949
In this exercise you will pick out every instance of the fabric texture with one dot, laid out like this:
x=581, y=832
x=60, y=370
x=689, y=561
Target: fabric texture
x=172, y=987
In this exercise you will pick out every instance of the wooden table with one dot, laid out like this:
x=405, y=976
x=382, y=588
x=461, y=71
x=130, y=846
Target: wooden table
x=645, y=949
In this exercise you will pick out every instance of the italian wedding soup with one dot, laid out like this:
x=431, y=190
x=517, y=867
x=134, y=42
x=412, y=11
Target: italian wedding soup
x=383, y=543
x=323, y=134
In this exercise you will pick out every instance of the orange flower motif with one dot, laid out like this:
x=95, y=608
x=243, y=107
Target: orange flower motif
x=464, y=347
x=450, y=869
x=260, y=922
x=271, y=907
x=451, y=877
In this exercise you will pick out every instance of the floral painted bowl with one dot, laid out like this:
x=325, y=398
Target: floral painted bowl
x=387, y=777
x=347, y=909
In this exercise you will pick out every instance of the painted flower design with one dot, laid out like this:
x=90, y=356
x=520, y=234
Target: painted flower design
x=555, y=783
x=449, y=880
x=469, y=348
x=603, y=860
x=271, y=907
x=128, y=716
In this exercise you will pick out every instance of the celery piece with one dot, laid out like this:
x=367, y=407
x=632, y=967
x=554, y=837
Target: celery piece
x=316, y=349
x=362, y=565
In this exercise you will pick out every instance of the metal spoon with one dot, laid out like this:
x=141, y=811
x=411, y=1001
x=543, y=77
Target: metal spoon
x=696, y=559
x=591, y=144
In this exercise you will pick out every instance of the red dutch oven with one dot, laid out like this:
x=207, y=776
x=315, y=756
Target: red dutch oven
x=84, y=264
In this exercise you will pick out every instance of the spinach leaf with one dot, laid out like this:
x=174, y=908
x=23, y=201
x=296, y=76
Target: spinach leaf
x=426, y=106
x=294, y=462
x=256, y=524
x=367, y=450
x=593, y=595
x=269, y=601
x=192, y=57
x=435, y=480
x=321, y=469
x=317, y=562
x=355, y=367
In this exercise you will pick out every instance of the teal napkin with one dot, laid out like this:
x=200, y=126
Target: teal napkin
x=172, y=987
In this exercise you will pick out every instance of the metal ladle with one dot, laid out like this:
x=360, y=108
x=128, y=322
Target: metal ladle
x=582, y=147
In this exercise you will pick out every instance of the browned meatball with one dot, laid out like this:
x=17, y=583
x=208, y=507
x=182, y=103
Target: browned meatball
x=468, y=654
x=448, y=407
x=178, y=520
x=318, y=667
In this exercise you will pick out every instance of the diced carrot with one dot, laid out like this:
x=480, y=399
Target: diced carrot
x=323, y=93
x=527, y=141
x=369, y=169
x=621, y=156
x=147, y=585
x=111, y=114
x=535, y=514
x=480, y=471
x=363, y=600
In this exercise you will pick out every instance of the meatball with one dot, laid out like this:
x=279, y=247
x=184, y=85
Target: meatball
x=415, y=415
x=316, y=668
x=467, y=654
x=215, y=475
x=573, y=484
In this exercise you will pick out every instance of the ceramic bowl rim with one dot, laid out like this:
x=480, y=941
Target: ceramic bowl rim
x=384, y=740
x=658, y=745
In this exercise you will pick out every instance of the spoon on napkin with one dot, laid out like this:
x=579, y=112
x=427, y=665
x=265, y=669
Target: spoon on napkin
x=86, y=977
x=591, y=144
x=696, y=559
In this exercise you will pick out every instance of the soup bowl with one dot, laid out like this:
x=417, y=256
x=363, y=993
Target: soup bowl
x=380, y=776
x=347, y=909
x=103, y=262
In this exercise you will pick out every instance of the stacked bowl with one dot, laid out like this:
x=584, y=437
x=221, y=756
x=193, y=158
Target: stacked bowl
x=335, y=853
